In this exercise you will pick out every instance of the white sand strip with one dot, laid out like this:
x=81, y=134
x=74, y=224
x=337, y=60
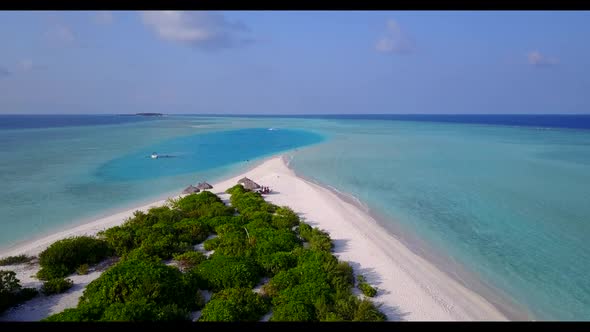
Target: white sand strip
x=410, y=288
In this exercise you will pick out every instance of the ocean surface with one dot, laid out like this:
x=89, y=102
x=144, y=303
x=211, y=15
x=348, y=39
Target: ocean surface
x=504, y=197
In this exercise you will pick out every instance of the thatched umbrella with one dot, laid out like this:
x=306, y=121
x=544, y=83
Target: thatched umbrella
x=190, y=190
x=248, y=184
x=204, y=185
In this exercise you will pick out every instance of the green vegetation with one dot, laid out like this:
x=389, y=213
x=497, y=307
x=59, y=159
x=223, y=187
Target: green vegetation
x=56, y=286
x=11, y=292
x=367, y=289
x=189, y=259
x=169, y=230
x=234, y=305
x=260, y=241
x=136, y=290
x=13, y=260
x=82, y=269
x=62, y=258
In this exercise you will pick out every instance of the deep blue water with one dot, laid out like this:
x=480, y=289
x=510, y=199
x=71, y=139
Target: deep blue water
x=52, y=121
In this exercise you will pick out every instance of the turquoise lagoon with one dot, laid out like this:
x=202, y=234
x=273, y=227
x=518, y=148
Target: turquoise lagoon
x=509, y=205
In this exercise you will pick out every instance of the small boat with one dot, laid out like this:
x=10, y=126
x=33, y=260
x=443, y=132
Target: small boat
x=154, y=156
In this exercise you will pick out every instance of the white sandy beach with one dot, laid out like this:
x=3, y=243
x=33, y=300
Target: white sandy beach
x=410, y=288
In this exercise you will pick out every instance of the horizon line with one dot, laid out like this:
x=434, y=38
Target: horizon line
x=297, y=114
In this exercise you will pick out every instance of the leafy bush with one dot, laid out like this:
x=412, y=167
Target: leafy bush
x=204, y=204
x=189, y=259
x=214, y=222
x=63, y=257
x=228, y=272
x=192, y=230
x=366, y=311
x=281, y=281
x=293, y=312
x=284, y=217
x=277, y=262
x=13, y=260
x=135, y=279
x=304, y=231
x=136, y=290
x=11, y=292
x=141, y=311
x=235, y=304
x=211, y=244
x=82, y=269
x=367, y=289
x=56, y=286
x=317, y=238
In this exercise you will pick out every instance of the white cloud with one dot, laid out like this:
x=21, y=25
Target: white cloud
x=201, y=29
x=103, y=17
x=394, y=40
x=537, y=59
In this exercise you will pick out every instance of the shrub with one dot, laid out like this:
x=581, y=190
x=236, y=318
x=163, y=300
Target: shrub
x=284, y=217
x=235, y=304
x=367, y=289
x=304, y=231
x=135, y=279
x=141, y=311
x=306, y=293
x=269, y=240
x=189, y=259
x=62, y=257
x=13, y=260
x=120, y=238
x=367, y=312
x=293, y=312
x=214, y=222
x=204, y=204
x=341, y=276
x=191, y=230
x=82, y=269
x=277, y=262
x=11, y=292
x=135, y=290
x=236, y=190
x=85, y=313
x=211, y=244
x=56, y=286
x=228, y=272
x=281, y=281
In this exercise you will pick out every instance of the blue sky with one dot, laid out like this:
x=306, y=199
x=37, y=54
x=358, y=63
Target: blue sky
x=295, y=62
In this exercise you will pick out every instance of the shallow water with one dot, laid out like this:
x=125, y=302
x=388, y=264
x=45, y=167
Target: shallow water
x=509, y=204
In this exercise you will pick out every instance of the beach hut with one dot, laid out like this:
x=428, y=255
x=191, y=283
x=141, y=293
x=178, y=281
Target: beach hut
x=204, y=185
x=248, y=184
x=190, y=190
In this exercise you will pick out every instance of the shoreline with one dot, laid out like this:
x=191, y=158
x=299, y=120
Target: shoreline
x=136, y=205
x=410, y=287
x=421, y=248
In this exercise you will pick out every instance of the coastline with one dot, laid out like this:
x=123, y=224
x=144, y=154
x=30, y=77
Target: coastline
x=410, y=287
x=421, y=248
